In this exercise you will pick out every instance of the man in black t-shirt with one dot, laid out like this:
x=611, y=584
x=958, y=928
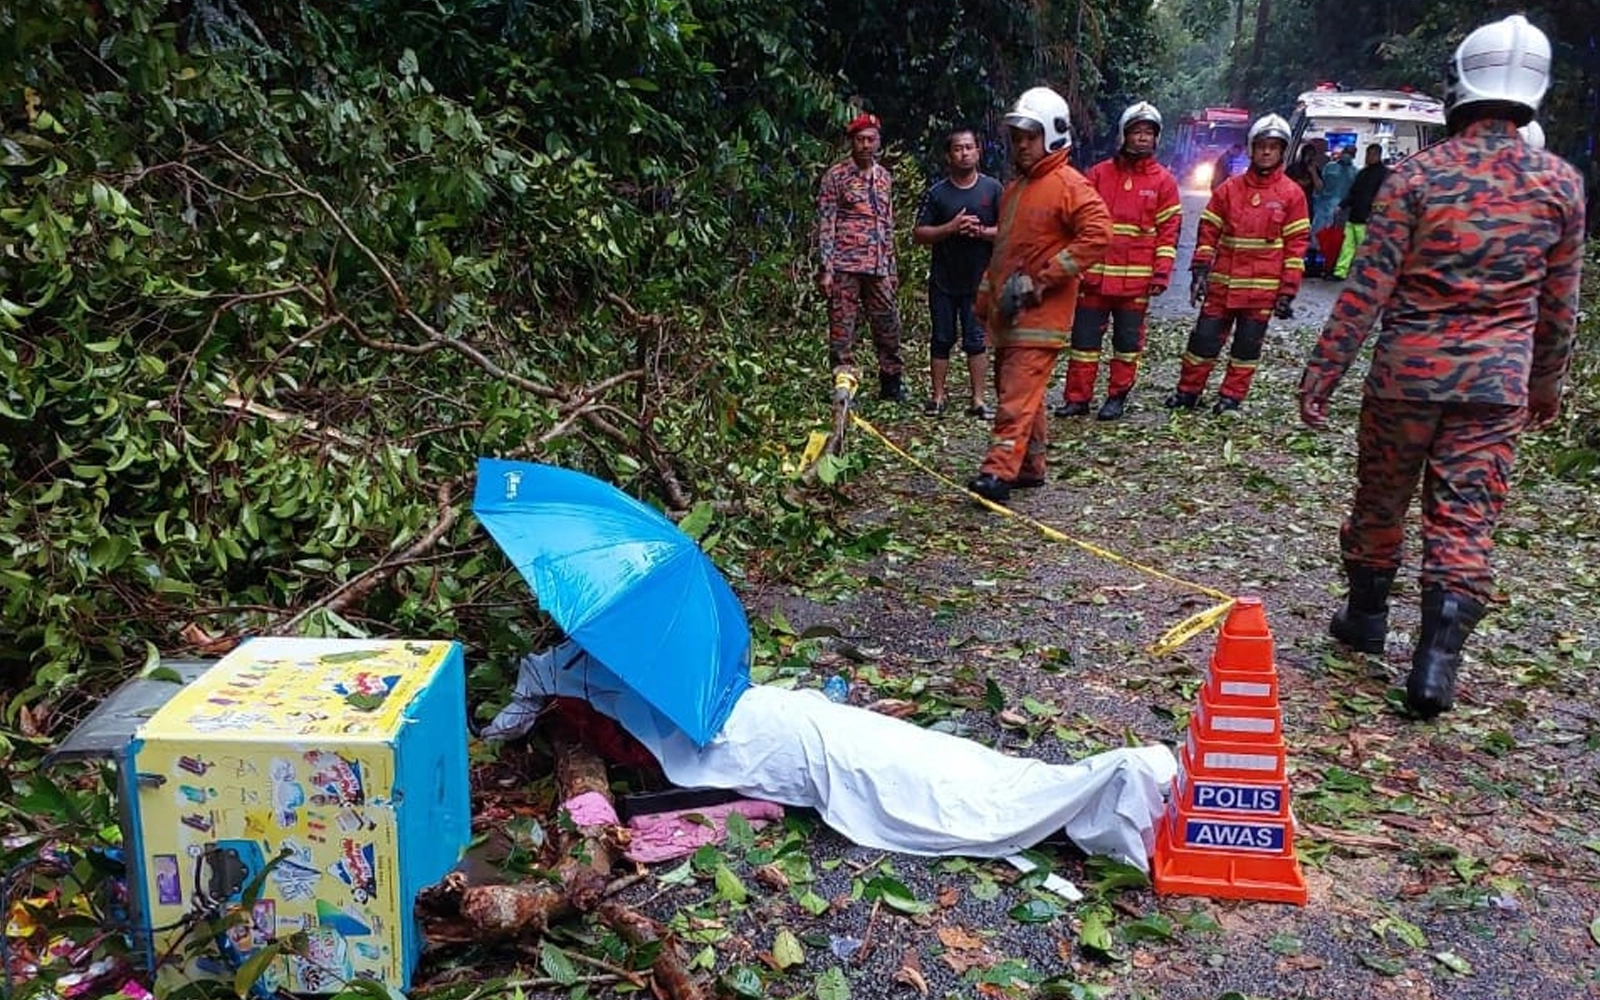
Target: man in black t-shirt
x=1357, y=205
x=958, y=217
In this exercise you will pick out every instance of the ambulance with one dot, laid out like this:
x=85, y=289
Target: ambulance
x=1400, y=121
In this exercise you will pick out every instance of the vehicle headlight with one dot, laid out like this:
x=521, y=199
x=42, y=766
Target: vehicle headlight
x=1202, y=174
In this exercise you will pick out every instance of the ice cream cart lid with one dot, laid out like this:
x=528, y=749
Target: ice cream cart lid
x=104, y=733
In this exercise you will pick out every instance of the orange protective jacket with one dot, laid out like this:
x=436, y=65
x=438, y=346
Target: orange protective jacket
x=1053, y=228
x=1146, y=213
x=1253, y=236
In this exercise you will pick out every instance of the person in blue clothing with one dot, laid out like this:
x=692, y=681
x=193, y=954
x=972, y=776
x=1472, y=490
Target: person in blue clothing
x=958, y=218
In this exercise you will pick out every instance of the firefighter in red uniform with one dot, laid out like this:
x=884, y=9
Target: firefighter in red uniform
x=1145, y=216
x=1472, y=260
x=1249, y=258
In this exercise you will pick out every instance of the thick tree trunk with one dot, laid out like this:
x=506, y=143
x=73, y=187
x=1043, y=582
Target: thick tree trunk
x=527, y=908
x=1236, y=87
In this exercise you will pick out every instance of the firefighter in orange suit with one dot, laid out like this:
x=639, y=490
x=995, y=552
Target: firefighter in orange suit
x=1146, y=213
x=1249, y=258
x=1053, y=228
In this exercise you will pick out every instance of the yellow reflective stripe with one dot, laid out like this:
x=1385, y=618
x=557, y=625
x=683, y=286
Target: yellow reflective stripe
x=1067, y=263
x=1128, y=229
x=1232, y=282
x=1295, y=263
x=1167, y=252
x=1093, y=357
x=1123, y=270
x=1120, y=356
x=1211, y=217
x=1297, y=226
x=1249, y=243
x=1018, y=336
x=1248, y=366
x=1167, y=213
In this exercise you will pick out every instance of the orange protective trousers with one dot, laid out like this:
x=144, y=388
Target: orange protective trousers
x=1021, y=380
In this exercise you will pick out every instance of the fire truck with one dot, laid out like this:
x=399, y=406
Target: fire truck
x=1205, y=136
x=1399, y=121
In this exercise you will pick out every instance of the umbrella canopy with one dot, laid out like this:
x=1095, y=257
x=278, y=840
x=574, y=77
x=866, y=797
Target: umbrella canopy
x=625, y=584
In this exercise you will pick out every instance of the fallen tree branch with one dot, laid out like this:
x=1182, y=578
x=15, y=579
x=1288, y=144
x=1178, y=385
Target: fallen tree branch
x=639, y=931
x=363, y=583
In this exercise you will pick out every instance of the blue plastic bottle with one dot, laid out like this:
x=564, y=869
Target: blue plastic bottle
x=837, y=689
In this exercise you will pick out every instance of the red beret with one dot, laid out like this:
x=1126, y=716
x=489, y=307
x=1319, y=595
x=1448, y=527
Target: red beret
x=861, y=123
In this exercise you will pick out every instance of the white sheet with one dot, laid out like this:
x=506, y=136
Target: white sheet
x=881, y=782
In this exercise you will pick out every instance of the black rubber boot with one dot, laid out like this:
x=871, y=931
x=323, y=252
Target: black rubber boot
x=1226, y=404
x=1112, y=408
x=890, y=388
x=1071, y=410
x=990, y=487
x=1363, y=622
x=1447, y=620
x=1180, y=400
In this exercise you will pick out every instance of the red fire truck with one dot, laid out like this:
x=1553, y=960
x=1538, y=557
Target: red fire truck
x=1203, y=137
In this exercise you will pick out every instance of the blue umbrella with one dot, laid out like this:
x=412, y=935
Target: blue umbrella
x=625, y=584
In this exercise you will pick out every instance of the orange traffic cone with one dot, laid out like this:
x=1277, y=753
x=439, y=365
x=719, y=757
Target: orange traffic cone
x=1228, y=831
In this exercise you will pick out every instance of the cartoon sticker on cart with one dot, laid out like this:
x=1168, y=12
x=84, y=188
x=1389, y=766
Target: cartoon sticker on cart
x=335, y=780
x=296, y=875
x=287, y=794
x=324, y=966
x=366, y=691
x=356, y=869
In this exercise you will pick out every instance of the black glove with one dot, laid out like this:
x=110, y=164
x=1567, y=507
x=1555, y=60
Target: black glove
x=1018, y=293
x=1197, y=285
x=1285, y=307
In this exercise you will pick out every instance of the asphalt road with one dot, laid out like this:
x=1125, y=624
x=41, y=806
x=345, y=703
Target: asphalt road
x=1311, y=306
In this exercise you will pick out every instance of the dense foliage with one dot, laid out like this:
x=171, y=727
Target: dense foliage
x=274, y=278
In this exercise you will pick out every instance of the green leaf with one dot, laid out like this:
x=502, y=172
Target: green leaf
x=699, y=518
x=556, y=964
x=993, y=698
x=1455, y=963
x=728, y=885
x=254, y=967
x=1152, y=928
x=1594, y=929
x=832, y=985
x=741, y=835
x=812, y=903
x=787, y=950
x=895, y=895
x=743, y=981
x=1035, y=911
x=1095, y=933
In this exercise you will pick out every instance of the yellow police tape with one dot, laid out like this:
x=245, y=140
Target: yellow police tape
x=1171, y=639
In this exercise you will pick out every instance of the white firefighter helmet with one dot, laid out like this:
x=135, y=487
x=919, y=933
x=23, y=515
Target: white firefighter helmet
x=1144, y=111
x=1270, y=127
x=1508, y=61
x=1043, y=108
x=1533, y=134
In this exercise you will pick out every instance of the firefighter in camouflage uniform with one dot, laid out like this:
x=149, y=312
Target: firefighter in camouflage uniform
x=1146, y=213
x=1471, y=259
x=1249, y=259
